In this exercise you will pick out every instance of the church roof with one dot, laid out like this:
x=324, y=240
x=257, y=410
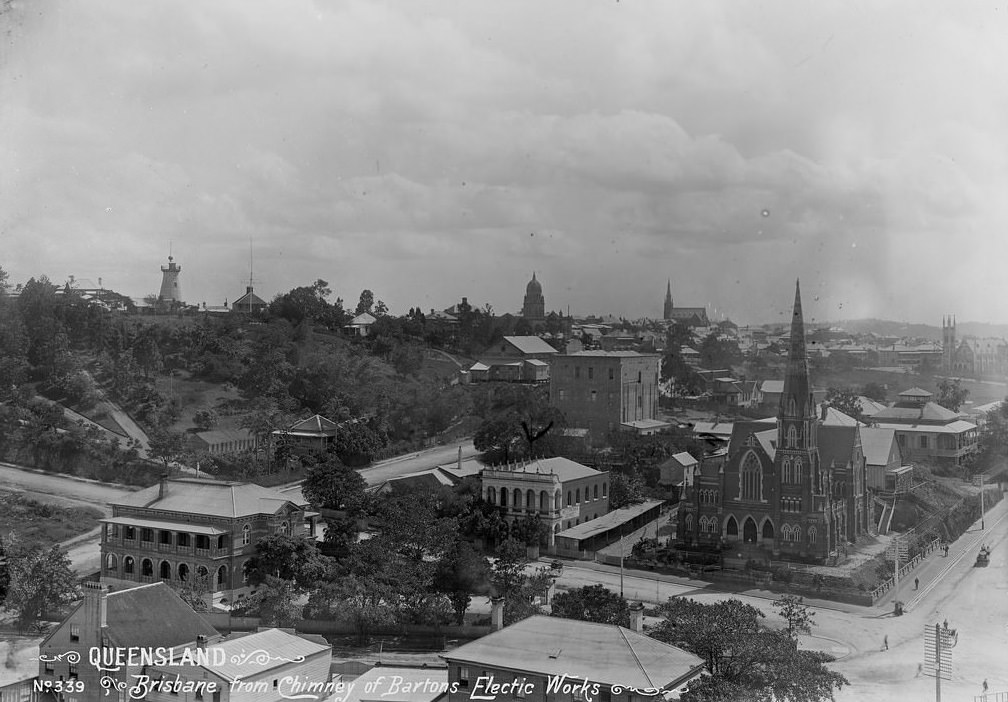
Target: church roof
x=836, y=444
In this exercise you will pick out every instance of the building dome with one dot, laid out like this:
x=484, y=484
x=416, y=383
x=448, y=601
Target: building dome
x=533, y=286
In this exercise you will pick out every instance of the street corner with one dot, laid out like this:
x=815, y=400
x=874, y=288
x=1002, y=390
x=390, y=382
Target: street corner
x=838, y=649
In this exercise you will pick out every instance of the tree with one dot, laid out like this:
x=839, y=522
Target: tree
x=510, y=582
x=460, y=574
x=274, y=603
x=166, y=445
x=874, y=391
x=365, y=303
x=40, y=581
x=625, y=490
x=746, y=661
x=194, y=591
x=592, y=603
x=291, y=558
x=951, y=395
x=518, y=422
x=796, y=613
x=356, y=600
x=845, y=400
x=205, y=419
x=333, y=485
x=356, y=442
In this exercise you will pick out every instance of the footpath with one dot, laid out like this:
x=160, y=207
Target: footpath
x=932, y=570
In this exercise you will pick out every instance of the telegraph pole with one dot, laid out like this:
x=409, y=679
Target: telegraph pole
x=981, y=503
x=938, y=638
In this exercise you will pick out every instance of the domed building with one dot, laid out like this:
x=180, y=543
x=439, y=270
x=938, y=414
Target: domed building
x=534, y=307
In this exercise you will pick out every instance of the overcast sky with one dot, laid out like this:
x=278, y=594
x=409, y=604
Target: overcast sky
x=434, y=150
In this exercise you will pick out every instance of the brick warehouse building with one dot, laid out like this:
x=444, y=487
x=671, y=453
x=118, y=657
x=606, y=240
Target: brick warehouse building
x=797, y=490
x=606, y=390
x=185, y=527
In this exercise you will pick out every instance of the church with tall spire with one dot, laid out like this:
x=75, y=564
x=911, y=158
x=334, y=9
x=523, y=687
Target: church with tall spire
x=690, y=316
x=792, y=487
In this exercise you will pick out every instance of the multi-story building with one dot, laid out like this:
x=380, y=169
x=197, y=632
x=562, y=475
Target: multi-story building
x=139, y=618
x=797, y=490
x=184, y=528
x=606, y=390
x=927, y=431
x=552, y=659
x=515, y=359
x=972, y=356
x=559, y=491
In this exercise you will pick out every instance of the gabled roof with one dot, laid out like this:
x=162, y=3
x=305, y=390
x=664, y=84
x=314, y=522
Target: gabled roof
x=392, y=684
x=772, y=386
x=601, y=653
x=836, y=418
x=209, y=498
x=241, y=659
x=684, y=458
x=151, y=616
x=219, y=436
x=564, y=468
x=869, y=407
x=529, y=344
x=929, y=412
x=915, y=392
x=249, y=299
x=877, y=443
x=765, y=438
x=316, y=425
x=836, y=444
x=364, y=319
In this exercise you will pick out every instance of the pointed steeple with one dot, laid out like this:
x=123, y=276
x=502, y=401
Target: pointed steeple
x=796, y=400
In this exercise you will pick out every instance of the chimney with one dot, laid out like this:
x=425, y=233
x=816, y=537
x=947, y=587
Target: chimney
x=460, y=459
x=163, y=486
x=497, y=613
x=95, y=606
x=637, y=617
x=825, y=408
x=201, y=642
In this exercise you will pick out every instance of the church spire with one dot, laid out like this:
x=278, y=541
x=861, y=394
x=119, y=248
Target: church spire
x=796, y=400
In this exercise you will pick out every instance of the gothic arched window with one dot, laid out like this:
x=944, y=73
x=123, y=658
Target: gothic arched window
x=792, y=437
x=786, y=471
x=751, y=478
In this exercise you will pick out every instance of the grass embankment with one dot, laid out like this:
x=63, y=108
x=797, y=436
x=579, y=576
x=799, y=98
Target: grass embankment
x=41, y=523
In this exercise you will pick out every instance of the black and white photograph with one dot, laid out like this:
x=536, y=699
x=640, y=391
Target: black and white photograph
x=457, y=350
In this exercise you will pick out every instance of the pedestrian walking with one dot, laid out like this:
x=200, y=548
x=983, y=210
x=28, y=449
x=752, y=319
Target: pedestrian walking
x=920, y=669
x=885, y=642
x=916, y=583
x=945, y=625
x=985, y=686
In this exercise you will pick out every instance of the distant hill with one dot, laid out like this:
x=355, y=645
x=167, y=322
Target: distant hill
x=885, y=327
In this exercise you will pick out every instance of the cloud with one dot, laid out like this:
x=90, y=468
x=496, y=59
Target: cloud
x=437, y=149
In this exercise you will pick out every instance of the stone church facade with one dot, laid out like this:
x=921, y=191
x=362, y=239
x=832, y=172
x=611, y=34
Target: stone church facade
x=794, y=491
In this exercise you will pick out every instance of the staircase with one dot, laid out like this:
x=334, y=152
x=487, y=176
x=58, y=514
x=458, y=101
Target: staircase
x=885, y=518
